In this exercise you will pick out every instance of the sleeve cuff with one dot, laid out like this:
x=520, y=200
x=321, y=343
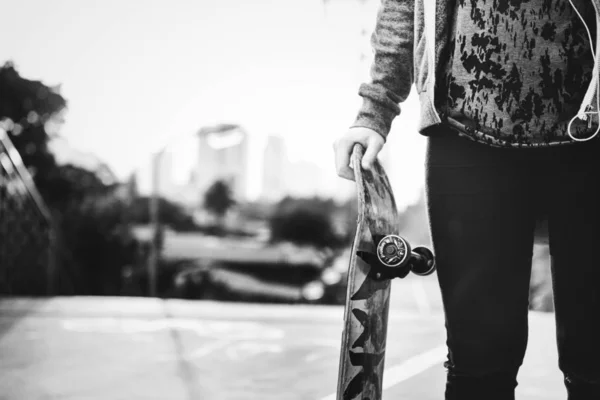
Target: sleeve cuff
x=375, y=116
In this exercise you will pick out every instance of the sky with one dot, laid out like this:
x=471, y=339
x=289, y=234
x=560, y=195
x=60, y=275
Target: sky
x=140, y=75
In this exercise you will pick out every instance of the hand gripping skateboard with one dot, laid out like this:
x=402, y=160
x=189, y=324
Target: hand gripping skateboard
x=379, y=254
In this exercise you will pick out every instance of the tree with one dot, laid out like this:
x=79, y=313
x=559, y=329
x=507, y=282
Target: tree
x=304, y=222
x=218, y=199
x=95, y=241
x=25, y=107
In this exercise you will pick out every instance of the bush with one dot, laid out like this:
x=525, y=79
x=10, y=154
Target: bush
x=169, y=213
x=304, y=222
x=94, y=232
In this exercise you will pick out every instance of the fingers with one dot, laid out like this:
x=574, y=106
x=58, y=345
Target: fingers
x=368, y=138
x=343, y=149
x=373, y=148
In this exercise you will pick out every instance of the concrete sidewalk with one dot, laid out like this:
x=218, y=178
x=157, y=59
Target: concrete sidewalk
x=136, y=348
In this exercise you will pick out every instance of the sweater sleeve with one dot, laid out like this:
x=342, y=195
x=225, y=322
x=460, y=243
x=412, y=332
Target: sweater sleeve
x=392, y=67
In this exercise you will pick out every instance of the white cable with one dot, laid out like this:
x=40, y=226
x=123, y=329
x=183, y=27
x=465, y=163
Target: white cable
x=583, y=114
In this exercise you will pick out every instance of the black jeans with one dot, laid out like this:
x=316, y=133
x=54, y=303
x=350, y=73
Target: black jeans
x=483, y=206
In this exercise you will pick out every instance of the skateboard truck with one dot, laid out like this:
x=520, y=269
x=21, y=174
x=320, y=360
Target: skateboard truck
x=395, y=259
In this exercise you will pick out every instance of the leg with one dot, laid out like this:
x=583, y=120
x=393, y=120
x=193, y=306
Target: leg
x=574, y=227
x=482, y=224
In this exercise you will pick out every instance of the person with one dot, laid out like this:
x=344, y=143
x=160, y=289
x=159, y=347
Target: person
x=509, y=98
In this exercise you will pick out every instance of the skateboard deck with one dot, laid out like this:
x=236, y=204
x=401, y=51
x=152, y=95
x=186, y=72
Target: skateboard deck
x=368, y=294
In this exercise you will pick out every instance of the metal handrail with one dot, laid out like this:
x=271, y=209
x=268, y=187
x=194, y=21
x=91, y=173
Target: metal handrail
x=12, y=163
x=17, y=164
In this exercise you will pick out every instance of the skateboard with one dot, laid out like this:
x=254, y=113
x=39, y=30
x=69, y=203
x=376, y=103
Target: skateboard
x=378, y=255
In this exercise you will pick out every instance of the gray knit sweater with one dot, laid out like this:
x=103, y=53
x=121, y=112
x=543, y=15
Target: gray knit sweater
x=507, y=73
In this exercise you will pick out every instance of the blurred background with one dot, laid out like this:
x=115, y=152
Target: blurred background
x=186, y=151
x=182, y=150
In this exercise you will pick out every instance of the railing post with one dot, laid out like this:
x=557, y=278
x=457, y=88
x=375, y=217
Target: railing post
x=154, y=209
x=51, y=263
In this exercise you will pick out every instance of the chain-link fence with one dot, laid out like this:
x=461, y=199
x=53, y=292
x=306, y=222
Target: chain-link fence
x=26, y=231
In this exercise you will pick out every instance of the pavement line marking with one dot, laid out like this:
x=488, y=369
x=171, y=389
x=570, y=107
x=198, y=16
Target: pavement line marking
x=209, y=348
x=421, y=297
x=409, y=368
x=541, y=393
x=414, y=366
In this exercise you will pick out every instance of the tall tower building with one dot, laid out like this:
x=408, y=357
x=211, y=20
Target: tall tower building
x=223, y=155
x=274, y=168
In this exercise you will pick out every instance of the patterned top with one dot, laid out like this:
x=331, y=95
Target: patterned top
x=518, y=71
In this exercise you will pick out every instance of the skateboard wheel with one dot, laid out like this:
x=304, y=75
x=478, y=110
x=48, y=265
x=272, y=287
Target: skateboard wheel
x=425, y=265
x=393, y=251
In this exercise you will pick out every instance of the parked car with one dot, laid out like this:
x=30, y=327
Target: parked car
x=274, y=273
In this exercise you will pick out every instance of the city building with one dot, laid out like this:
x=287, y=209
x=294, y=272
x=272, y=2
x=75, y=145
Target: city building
x=274, y=165
x=223, y=155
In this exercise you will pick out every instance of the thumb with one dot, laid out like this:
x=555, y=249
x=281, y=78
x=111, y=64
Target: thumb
x=373, y=148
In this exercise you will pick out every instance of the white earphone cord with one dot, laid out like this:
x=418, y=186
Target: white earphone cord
x=583, y=115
